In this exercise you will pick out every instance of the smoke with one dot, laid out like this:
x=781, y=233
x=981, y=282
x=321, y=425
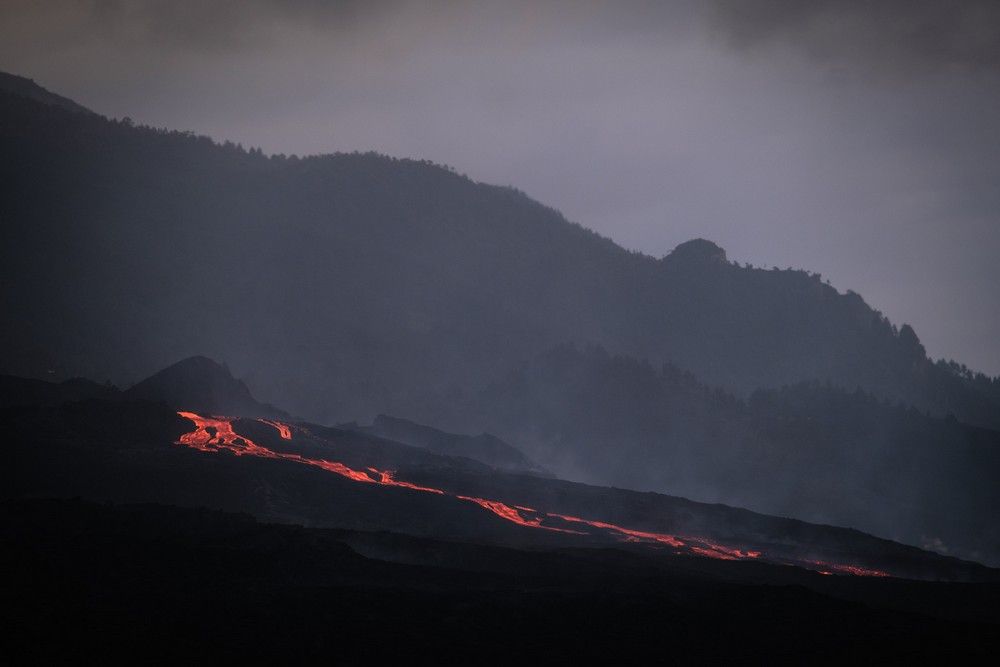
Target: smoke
x=891, y=37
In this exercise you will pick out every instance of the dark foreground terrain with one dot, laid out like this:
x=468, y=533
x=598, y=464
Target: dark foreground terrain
x=149, y=582
x=137, y=528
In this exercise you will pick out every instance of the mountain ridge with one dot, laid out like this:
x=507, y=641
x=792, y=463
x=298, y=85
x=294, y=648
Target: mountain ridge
x=203, y=385
x=491, y=279
x=812, y=451
x=19, y=85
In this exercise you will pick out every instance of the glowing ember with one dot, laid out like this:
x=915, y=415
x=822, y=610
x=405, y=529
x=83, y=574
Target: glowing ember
x=213, y=434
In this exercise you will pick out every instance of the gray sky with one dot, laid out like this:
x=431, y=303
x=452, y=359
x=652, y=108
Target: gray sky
x=857, y=139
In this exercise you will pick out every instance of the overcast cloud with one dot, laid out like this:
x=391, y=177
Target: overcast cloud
x=852, y=138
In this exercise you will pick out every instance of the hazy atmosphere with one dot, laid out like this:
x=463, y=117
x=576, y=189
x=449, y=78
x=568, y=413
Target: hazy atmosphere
x=410, y=331
x=860, y=143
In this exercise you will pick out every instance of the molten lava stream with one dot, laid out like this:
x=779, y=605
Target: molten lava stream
x=284, y=430
x=513, y=514
x=836, y=568
x=386, y=477
x=225, y=438
x=213, y=434
x=627, y=534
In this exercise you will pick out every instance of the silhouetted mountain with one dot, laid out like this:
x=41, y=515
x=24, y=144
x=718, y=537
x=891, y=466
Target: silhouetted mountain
x=202, y=385
x=19, y=85
x=342, y=286
x=810, y=451
x=485, y=448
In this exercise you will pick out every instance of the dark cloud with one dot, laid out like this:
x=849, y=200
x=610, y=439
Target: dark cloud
x=204, y=27
x=889, y=35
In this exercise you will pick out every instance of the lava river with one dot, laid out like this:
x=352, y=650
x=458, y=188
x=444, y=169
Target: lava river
x=213, y=434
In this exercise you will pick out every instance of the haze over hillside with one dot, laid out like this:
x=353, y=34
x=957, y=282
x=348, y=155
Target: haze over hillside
x=852, y=138
x=342, y=286
x=812, y=451
x=163, y=444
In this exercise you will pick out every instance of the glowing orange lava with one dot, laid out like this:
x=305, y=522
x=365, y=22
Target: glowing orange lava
x=513, y=514
x=387, y=477
x=284, y=430
x=722, y=552
x=856, y=570
x=629, y=534
x=213, y=434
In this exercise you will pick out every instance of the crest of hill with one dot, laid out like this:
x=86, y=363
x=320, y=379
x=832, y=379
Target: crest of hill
x=697, y=251
x=200, y=384
x=24, y=87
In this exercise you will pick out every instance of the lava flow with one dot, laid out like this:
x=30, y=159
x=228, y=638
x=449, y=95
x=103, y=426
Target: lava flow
x=695, y=545
x=284, y=430
x=628, y=534
x=514, y=514
x=386, y=477
x=225, y=438
x=213, y=434
x=856, y=570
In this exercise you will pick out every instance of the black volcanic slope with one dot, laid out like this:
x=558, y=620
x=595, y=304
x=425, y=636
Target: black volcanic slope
x=26, y=391
x=432, y=557
x=155, y=583
x=125, y=451
x=348, y=285
x=485, y=448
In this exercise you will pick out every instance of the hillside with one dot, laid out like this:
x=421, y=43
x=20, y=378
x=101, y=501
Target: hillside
x=341, y=286
x=811, y=451
x=113, y=450
x=483, y=447
x=199, y=383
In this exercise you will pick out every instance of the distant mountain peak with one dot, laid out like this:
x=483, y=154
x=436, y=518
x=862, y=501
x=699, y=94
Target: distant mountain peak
x=697, y=250
x=24, y=87
x=203, y=385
